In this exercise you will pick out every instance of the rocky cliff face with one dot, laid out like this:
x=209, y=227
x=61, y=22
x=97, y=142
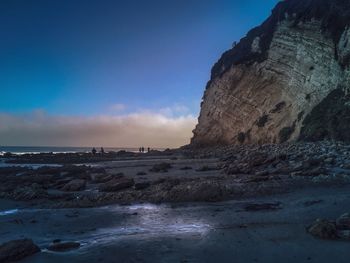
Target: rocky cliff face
x=274, y=84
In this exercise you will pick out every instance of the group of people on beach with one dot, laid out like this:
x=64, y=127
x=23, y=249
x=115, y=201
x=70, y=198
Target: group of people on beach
x=94, y=151
x=102, y=151
x=142, y=149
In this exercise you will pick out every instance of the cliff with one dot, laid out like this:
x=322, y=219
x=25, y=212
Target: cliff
x=288, y=79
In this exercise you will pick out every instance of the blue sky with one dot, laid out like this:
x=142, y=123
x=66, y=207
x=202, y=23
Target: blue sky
x=80, y=57
x=108, y=57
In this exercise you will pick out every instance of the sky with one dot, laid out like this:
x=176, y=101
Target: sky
x=110, y=72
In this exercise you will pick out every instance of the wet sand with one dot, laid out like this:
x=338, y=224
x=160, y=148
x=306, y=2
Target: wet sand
x=195, y=232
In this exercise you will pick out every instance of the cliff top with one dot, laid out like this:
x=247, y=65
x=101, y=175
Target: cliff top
x=333, y=14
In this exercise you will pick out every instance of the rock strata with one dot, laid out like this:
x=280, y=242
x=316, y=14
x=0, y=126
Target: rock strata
x=287, y=79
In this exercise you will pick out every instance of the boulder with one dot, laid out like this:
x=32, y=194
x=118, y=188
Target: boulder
x=63, y=246
x=314, y=172
x=116, y=184
x=75, y=185
x=207, y=168
x=25, y=193
x=258, y=159
x=344, y=234
x=161, y=168
x=100, y=177
x=141, y=185
x=343, y=222
x=17, y=249
x=324, y=229
x=141, y=173
x=207, y=190
x=186, y=168
x=262, y=207
x=233, y=169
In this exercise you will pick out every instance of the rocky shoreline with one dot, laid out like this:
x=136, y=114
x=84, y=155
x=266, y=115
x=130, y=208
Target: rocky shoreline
x=73, y=158
x=218, y=174
x=258, y=179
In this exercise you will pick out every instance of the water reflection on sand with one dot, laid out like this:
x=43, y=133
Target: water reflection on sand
x=149, y=221
x=8, y=212
x=106, y=225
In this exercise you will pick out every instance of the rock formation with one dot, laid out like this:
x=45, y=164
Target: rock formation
x=288, y=79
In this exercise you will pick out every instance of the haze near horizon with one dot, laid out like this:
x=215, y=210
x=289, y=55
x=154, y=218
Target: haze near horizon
x=111, y=73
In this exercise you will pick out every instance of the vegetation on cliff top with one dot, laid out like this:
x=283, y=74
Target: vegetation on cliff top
x=333, y=14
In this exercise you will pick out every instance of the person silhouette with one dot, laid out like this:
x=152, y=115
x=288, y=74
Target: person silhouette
x=143, y=149
x=148, y=149
x=102, y=150
x=93, y=151
x=140, y=149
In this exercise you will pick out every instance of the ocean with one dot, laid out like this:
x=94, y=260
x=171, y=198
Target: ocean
x=34, y=150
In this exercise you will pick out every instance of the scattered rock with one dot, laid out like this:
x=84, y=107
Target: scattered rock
x=63, y=246
x=161, y=168
x=206, y=168
x=141, y=185
x=313, y=202
x=17, y=249
x=344, y=234
x=26, y=193
x=75, y=185
x=100, y=178
x=186, y=168
x=258, y=159
x=264, y=206
x=207, y=190
x=248, y=170
x=343, y=222
x=116, y=184
x=233, y=169
x=324, y=229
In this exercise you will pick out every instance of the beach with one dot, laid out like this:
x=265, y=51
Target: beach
x=229, y=203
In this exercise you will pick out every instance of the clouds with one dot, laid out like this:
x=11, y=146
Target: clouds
x=118, y=107
x=175, y=110
x=154, y=129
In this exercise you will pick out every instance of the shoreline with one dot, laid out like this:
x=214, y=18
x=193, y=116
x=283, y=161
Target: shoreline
x=177, y=205
x=182, y=175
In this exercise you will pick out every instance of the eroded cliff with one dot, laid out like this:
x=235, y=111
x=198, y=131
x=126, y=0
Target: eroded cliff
x=271, y=87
